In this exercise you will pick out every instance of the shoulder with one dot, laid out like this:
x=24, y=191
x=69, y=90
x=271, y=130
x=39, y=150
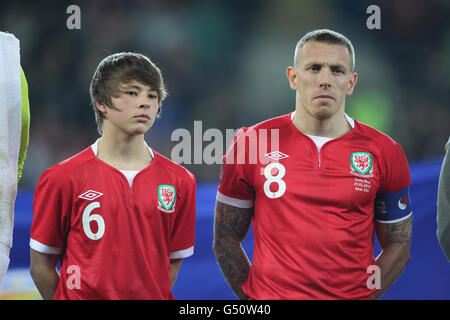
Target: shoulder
x=266, y=126
x=173, y=168
x=272, y=123
x=77, y=160
x=65, y=168
x=374, y=136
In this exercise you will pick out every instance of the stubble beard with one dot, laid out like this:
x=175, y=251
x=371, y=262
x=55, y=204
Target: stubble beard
x=322, y=112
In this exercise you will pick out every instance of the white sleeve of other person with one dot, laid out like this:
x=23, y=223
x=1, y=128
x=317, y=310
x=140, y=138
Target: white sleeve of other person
x=10, y=130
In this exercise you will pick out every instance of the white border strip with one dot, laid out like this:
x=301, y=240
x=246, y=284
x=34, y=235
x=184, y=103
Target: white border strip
x=94, y=148
x=350, y=120
x=182, y=253
x=40, y=247
x=396, y=220
x=150, y=150
x=244, y=204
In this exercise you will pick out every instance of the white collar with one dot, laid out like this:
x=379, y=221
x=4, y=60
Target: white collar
x=94, y=147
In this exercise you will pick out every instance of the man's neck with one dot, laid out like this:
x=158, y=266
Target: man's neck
x=333, y=127
x=124, y=152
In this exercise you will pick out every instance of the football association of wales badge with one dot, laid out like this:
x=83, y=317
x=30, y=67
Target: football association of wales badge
x=361, y=164
x=166, y=198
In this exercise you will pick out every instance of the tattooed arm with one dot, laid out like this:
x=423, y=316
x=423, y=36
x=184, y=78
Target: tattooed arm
x=231, y=225
x=395, y=242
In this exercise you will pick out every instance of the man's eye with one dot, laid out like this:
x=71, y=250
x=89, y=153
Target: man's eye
x=338, y=71
x=314, y=68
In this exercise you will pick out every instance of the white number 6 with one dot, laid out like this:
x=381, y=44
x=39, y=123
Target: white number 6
x=87, y=218
x=274, y=179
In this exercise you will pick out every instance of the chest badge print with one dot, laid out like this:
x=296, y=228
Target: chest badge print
x=166, y=198
x=361, y=164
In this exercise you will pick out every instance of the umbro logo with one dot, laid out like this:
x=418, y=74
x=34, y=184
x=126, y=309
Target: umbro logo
x=90, y=195
x=276, y=155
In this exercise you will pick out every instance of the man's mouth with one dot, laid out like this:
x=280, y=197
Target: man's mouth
x=324, y=96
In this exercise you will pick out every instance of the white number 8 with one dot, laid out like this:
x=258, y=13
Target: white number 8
x=87, y=218
x=274, y=179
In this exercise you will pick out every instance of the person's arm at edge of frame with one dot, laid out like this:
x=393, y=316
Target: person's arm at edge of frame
x=44, y=273
x=395, y=243
x=175, y=265
x=443, y=204
x=231, y=225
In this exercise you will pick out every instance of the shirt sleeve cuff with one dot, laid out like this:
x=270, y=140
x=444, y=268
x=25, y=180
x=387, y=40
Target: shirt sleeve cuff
x=181, y=254
x=42, y=248
x=239, y=203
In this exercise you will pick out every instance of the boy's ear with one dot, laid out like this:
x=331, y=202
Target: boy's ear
x=101, y=107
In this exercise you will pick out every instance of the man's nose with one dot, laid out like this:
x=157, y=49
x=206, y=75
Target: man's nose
x=324, y=78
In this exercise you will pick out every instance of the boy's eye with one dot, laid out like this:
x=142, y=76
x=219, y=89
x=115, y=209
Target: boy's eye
x=131, y=93
x=153, y=96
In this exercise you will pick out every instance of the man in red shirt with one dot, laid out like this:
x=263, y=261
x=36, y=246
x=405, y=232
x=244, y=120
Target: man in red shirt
x=118, y=216
x=316, y=199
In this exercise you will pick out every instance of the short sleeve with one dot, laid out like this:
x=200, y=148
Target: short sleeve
x=183, y=231
x=51, y=212
x=235, y=188
x=392, y=202
x=394, y=168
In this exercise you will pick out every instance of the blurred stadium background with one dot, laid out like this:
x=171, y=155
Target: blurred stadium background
x=224, y=63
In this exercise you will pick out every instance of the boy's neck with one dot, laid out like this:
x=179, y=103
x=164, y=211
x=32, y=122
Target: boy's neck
x=124, y=153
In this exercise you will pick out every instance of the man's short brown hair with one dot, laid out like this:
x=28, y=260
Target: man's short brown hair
x=122, y=68
x=329, y=37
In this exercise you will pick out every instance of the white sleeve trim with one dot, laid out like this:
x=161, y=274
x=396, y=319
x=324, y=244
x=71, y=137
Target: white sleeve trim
x=181, y=254
x=40, y=247
x=244, y=204
x=396, y=220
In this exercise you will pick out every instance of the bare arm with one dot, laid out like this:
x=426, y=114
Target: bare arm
x=395, y=243
x=175, y=265
x=44, y=273
x=231, y=225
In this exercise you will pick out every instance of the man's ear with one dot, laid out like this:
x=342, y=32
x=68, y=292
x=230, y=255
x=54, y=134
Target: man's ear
x=352, y=83
x=291, y=74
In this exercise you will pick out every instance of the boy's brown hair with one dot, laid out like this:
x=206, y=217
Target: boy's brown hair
x=120, y=68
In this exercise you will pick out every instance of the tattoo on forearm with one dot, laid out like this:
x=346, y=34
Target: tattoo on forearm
x=398, y=232
x=230, y=228
x=233, y=220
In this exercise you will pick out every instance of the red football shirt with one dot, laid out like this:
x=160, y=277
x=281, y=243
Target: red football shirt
x=313, y=210
x=116, y=242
